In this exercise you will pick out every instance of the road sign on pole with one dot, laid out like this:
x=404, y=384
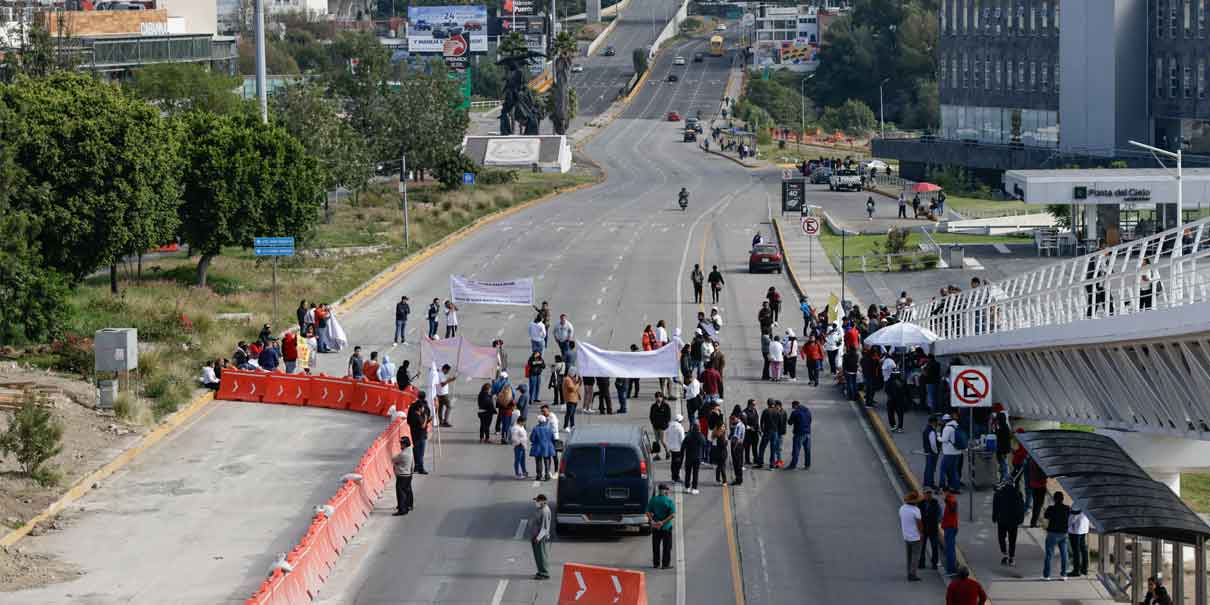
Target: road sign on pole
x=810, y=226
x=971, y=386
x=275, y=247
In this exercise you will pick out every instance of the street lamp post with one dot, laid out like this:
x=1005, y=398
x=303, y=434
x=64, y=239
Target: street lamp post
x=802, y=93
x=881, y=113
x=1180, y=193
x=262, y=95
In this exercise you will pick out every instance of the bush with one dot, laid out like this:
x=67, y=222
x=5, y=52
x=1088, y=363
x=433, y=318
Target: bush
x=74, y=353
x=853, y=118
x=493, y=176
x=34, y=436
x=896, y=240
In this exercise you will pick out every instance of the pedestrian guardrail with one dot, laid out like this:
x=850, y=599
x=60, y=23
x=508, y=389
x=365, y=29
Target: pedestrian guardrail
x=1164, y=271
x=486, y=104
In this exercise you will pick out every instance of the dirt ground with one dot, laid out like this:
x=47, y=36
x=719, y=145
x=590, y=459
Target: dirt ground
x=91, y=438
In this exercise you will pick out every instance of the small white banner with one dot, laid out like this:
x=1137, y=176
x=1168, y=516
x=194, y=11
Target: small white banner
x=660, y=363
x=463, y=357
x=510, y=292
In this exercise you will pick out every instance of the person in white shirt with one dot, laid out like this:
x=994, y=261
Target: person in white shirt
x=661, y=339
x=777, y=352
x=209, y=379
x=790, y=356
x=911, y=525
x=888, y=367
x=716, y=319
x=518, y=437
x=443, y=396
x=831, y=345
x=674, y=436
x=564, y=333
x=537, y=335
x=451, y=319
x=950, y=454
x=553, y=420
x=1077, y=535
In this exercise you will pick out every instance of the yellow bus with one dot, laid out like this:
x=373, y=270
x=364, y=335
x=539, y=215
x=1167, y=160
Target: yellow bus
x=716, y=45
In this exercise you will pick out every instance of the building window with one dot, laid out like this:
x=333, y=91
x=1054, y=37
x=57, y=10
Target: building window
x=1008, y=75
x=1201, y=18
x=965, y=70
x=1056, y=19
x=1020, y=19
x=1021, y=76
x=1056, y=73
x=1201, y=78
x=1033, y=19
x=941, y=78
x=1044, y=17
x=975, y=10
x=1159, y=18
x=1189, y=18
x=999, y=67
x=954, y=72
x=1159, y=77
x=944, y=7
x=1172, y=18
x=960, y=15
x=1173, y=78
x=987, y=74
x=1033, y=81
x=1045, y=79
x=1188, y=81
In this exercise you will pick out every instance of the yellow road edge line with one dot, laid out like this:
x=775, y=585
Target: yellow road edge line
x=84, y=484
x=884, y=435
x=737, y=579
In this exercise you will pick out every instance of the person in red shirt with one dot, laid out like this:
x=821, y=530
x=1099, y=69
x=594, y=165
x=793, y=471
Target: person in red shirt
x=289, y=351
x=649, y=339
x=712, y=385
x=949, y=526
x=812, y=352
x=963, y=590
x=369, y=369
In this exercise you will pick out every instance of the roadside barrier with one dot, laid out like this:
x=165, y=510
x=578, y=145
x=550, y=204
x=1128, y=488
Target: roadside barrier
x=596, y=585
x=308, y=565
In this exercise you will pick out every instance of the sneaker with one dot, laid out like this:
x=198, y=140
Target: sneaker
x=1012, y=563
x=1004, y=560
x=696, y=492
x=913, y=578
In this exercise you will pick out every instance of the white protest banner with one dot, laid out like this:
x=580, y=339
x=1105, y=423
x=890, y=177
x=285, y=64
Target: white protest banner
x=507, y=292
x=464, y=358
x=660, y=363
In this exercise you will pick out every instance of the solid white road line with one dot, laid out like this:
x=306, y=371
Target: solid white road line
x=498, y=596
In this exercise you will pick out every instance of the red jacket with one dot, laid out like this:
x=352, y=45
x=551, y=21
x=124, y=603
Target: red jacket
x=965, y=591
x=712, y=382
x=949, y=518
x=289, y=347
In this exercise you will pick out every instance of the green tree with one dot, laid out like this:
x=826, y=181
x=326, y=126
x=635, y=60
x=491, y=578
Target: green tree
x=512, y=45
x=430, y=100
x=277, y=58
x=100, y=170
x=562, y=111
x=638, y=59
x=784, y=104
x=243, y=179
x=315, y=121
x=177, y=87
x=487, y=79
x=34, y=436
x=854, y=118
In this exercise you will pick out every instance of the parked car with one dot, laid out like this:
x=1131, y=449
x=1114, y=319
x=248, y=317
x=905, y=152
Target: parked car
x=764, y=258
x=577, y=68
x=674, y=116
x=690, y=135
x=472, y=26
x=698, y=57
x=609, y=51
x=874, y=165
x=606, y=479
x=821, y=176
x=845, y=180
x=672, y=78
x=678, y=61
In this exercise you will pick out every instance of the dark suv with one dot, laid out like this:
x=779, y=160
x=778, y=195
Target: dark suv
x=605, y=479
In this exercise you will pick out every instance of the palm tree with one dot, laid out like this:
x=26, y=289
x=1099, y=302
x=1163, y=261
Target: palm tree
x=563, y=105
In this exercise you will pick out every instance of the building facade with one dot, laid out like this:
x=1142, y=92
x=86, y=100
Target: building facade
x=1046, y=83
x=789, y=37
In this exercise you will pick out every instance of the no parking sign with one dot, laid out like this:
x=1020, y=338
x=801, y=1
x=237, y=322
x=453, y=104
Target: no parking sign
x=971, y=386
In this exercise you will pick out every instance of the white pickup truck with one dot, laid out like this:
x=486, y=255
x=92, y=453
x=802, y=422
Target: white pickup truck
x=845, y=179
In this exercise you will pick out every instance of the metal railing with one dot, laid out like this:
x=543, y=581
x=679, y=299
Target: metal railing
x=486, y=104
x=1167, y=270
x=928, y=256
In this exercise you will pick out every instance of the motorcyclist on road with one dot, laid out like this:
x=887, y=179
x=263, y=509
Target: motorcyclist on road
x=683, y=197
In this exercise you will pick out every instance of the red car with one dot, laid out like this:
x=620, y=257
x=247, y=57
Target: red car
x=764, y=258
x=674, y=116
x=472, y=26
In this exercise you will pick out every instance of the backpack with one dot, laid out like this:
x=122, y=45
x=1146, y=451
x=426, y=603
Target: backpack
x=924, y=439
x=961, y=439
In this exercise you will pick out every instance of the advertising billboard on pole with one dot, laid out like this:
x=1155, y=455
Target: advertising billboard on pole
x=430, y=27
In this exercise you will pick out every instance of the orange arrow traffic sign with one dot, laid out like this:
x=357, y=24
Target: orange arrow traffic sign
x=595, y=585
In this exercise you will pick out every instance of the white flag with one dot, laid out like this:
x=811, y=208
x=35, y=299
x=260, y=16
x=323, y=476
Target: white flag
x=506, y=292
x=660, y=363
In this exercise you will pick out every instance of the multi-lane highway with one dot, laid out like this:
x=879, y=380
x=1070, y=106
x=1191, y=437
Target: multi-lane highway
x=615, y=258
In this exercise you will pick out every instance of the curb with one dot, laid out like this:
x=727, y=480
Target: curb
x=85, y=484
x=200, y=403
x=736, y=160
x=884, y=436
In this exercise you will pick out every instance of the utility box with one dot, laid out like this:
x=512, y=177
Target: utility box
x=107, y=393
x=955, y=256
x=116, y=349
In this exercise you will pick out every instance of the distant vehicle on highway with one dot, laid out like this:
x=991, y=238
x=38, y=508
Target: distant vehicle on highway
x=674, y=116
x=422, y=25
x=875, y=165
x=440, y=32
x=821, y=176
x=690, y=135
x=606, y=479
x=764, y=258
x=472, y=26
x=672, y=78
x=716, y=45
x=577, y=68
x=845, y=180
x=609, y=52
x=721, y=27
x=697, y=57
x=678, y=61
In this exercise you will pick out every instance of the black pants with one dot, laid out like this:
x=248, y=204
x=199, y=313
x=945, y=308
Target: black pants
x=929, y=539
x=812, y=372
x=775, y=308
x=790, y=365
x=737, y=462
x=832, y=361
x=751, y=447
x=451, y=331
x=661, y=547
x=903, y=212
x=720, y=470
x=633, y=388
x=485, y=425
x=677, y=459
x=697, y=293
x=714, y=293
x=764, y=373
x=1007, y=536
x=1039, y=500
x=691, y=470
x=404, y=498
x=606, y=404
x=894, y=413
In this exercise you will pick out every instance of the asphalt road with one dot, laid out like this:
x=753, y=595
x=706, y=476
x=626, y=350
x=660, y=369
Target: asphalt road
x=615, y=258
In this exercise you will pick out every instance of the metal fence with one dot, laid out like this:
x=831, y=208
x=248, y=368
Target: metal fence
x=1167, y=270
x=928, y=256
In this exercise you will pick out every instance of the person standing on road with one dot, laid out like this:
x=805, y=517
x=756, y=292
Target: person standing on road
x=812, y=355
x=930, y=514
x=768, y=418
x=833, y=341
x=800, y=419
x=949, y=527
x=691, y=450
x=533, y=372
x=289, y=351
x=869, y=208
x=537, y=334
x=270, y=356
x=1008, y=512
x=1056, y=535
x=404, y=499
x=420, y=420
x=539, y=536
x=911, y=526
x=606, y=401
x=962, y=590
x=776, y=357
x=660, y=415
x=355, y=364
x=790, y=356
x=1036, y=484
x=716, y=283
x=950, y=453
x=451, y=319
x=542, y=448
x=564, y=332
x=571, y=396
x=518, y=437
x=370, y=367
x=1077, y=535
x=487, y=409
x=902, y=206
x=764, y=317
x=735, y=443
x=431, y=316
x=621, y=387
x=660, y=514
x=698, y=278
x=675, y=437
x=712, y=385
x=402, y=310
x=751, y=419
x=718, y=454
x=932, y=451
x=849, y=364
x=808, y=316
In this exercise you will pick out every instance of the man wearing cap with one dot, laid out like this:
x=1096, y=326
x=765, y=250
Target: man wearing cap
x=420, y=420
x=950, y=454
x=539, y=536
x=660, y=513
x=675, y=437
x=912, y=527
x=660, y=415
x=403, y=477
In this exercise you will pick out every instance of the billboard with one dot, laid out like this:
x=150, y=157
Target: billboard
x=431, y=29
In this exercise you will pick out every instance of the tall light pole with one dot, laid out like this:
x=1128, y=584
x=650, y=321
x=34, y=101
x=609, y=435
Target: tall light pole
x=881, y=113
x=1180, y=193
x=262, y=95
x=802, y=94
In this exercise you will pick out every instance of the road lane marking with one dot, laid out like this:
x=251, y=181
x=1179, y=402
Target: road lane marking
x=498, y=596
x=536, y=483
x=594, y=317
x=589, y=334
x=520, y=529
x=736, y=579
x=599, y=300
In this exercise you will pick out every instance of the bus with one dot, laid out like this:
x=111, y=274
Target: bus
x=716, y=45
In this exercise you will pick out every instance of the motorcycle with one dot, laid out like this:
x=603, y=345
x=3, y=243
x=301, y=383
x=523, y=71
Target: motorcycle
x=684, y=203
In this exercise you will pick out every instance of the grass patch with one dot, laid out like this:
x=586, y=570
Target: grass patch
x=971, y=207
x=864, y=245
x=1195, y=491
x=795, y=153
x=177, y=324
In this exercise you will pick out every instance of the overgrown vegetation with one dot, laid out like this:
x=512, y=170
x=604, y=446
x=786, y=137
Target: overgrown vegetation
x=34, y=436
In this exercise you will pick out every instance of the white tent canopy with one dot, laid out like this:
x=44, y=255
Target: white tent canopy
x=902, y=334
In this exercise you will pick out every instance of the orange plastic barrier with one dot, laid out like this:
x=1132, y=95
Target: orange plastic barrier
x=240, y=385
x=373, y=397
x=330, y=392
x=290, y=389
x=595, y=585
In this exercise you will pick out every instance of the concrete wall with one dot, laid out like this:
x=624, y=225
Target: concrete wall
x=201, y=16
x=1130, y=25
x=104, y=23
